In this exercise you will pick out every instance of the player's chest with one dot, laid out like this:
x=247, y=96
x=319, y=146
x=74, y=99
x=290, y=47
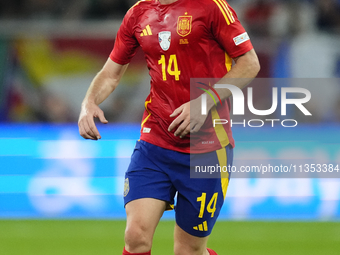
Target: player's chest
x=169, y=31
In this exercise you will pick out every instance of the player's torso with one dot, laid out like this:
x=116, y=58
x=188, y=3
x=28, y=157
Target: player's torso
x=178, y=43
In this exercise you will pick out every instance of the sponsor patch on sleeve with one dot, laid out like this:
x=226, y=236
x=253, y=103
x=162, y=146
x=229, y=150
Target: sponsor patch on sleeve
x=241, y=38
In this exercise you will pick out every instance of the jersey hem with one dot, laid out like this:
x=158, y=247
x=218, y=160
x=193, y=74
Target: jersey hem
x=186, y=150
x=241, y=52
x=118, y=61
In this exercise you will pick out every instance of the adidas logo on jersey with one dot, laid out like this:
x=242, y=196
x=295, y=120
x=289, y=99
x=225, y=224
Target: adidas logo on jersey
x=202, y=227
x=146, y=31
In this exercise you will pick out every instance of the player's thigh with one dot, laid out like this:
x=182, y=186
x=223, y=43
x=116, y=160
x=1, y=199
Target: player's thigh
x=198, y=208
x=186, y=244
x=199, y=200
x=143, y=216
x=146, y=178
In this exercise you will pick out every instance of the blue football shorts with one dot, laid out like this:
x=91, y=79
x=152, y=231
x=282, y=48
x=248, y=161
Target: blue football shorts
x=159, y=173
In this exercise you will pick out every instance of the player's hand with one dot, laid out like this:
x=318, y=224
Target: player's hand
x=87, y=127
x=189, y=118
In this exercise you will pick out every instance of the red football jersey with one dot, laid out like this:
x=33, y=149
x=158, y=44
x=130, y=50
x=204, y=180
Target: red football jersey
x=183, y=40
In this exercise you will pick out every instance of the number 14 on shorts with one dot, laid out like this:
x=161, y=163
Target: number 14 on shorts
x=211, y=207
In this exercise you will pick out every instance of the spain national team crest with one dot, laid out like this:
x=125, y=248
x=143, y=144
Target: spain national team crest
x=126, y=187
x=164, y=39
x=184, y=25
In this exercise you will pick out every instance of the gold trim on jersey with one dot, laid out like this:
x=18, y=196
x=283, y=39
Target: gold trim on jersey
x=184, y=24
x=134, y=5
x=227, y=10
x=147, y=117
x=222, y=160
x=139, y=3
x=221, y=134
x=228, y=62
x=223, y=138
x=224, y=8
x=231, y=13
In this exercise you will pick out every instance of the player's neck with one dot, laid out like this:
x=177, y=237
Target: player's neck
x=166, y=1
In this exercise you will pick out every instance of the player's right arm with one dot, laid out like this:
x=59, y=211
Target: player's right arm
x=108, y=78
x=104, y=83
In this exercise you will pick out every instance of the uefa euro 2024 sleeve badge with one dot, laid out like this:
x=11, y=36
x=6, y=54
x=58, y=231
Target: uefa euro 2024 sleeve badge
x=164, y=38
x=126, y=187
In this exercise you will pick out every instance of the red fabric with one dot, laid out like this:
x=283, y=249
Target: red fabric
x=197, y=49
x=211, y=252
x=125, y=252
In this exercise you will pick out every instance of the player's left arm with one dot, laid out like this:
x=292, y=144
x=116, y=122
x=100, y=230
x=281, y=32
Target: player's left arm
x=242, y=73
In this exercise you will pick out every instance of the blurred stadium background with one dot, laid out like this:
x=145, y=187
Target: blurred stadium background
x=60, y=194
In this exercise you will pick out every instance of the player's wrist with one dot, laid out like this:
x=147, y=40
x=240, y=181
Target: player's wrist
x=88, y=101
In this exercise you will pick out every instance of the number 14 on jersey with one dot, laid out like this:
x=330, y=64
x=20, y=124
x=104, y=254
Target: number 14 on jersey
x=171, y=67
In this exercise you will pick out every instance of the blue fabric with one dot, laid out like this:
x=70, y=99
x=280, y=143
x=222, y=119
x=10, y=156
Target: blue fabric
x=155, y=172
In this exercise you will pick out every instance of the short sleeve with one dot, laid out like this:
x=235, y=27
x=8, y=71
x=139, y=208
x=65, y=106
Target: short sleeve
x=228, y=31
x=126, y=43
